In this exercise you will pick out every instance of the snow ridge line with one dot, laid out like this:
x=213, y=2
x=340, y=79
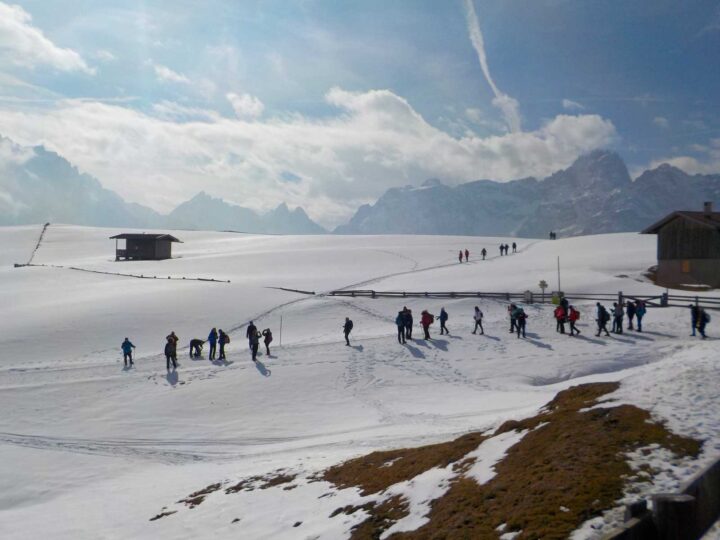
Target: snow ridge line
x=138, y=276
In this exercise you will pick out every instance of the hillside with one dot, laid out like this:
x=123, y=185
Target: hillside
x=126, y=445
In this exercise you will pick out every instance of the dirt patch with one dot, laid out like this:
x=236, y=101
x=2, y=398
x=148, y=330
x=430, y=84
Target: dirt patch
x=262, y=482
x=195, y=499
x=569, y=467
x=163, y=514
x=380, y=470
x=382, y=516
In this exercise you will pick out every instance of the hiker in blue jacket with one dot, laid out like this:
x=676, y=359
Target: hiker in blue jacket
x=694, y=310
x=639, y=313
x=443, y=320
x=212, y=340
x=127, y=348
x=400, y=323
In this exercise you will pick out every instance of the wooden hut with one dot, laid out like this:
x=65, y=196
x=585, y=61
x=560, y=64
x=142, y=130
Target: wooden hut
x=688, y=248
x=143, y=247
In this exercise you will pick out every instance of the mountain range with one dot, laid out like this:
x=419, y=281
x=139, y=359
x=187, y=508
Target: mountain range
x=594, y=195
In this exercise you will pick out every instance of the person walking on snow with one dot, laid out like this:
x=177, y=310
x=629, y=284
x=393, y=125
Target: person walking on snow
x=460, y=254
x=400, y=323
x=408, y=323
x=602, y=318
x=347, y=328
x=478, y=317
x=511, y=311
x=251, y=331
x=514, y=247
x=573, y=317
x=212, y=340
x=224, y=339
x=426, y=319
x=127, y=348
x=254, y=344
x=172, y=341
x=267, y=339
x=467, y=255
x=694, y=310
x=559, y=319
x=520, y=321
x=640, y=311
x=703, y=319
x=443, y=319
x=617, y=314
x=170, y=355
x=630, y=311
x=502, y=249
x=483, y=253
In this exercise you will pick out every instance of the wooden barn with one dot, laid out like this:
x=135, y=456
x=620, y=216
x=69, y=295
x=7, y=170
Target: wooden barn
x=143, y=247
x=688, y=248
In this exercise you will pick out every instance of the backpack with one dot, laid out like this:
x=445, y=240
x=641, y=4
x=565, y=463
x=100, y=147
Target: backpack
x=226, y=339
x=432, y=319
x=706, y=316
x=604, y=315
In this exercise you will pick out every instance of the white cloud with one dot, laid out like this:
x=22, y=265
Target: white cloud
x=376, y=141
x=708, y=164
x=25, y=45
x=165, y=74
x=661, y=122
x=245, y=105
x=170, y=110
x=570, y=105
x=105, y=56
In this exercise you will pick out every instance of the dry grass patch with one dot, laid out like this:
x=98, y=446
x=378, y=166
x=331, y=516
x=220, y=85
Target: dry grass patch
x=570, y=466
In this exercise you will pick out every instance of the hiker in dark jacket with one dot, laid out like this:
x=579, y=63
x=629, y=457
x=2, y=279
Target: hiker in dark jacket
x=223, y=339
x=694, y=310
x=443, y=319
x=251, y=331
x=267, y=339
x=460, y=254
x=703, y=319
x=172, y=341
x=196, y=346
x=520, y=321
x=617, y=315
x=602, y=318
x=630, y=311
x=514, y=247
x=502, y=249
x=426, y=319
x=640, y=311
x=127, y=348
x=478, y=317
x=347, y=328
x=170, y=355
x=511, y=311
x=400, y=323
x=254, y=345
x=408, y=323
x=483, y=253
x=212, y=340
x=467, y=255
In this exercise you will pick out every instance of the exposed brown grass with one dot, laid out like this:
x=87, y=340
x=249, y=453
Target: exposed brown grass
x=570, y=459
x=261, y=482
x=195, y=499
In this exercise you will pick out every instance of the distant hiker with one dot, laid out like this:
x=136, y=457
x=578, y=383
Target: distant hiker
x=254, y=344
x=196, y=346
x=267, y=339
x=511, y=311
x=640, y=311
x=483, y=253
x=703, y=319
x=426, y=319
x=172, y=338
x=694, y=311
x=212, y=340
x=602, y=318
x=618, y=315
x=573, y=317
x=460, y=254
x=400, y=323
x=443, y=319
x=467, y=255
x=630, y=311
x=502, y=249
x=520, y=321
x=224, y=339
x=478, y=317
x=170, y=355
x=514, y=247
x=127, y=348
x=408, y=323
x=560, y=317
x=251, y=331
x=347, y=328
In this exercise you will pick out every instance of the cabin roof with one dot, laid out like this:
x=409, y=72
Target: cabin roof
x=145, y=236
x=711, y=219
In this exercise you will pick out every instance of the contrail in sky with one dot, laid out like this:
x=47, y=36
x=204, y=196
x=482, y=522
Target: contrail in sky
x=509, y=106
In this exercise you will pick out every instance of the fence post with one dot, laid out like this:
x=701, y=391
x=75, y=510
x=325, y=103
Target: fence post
x=674, y=516
x=373, y=294
x=620, y=298
x=664, y=299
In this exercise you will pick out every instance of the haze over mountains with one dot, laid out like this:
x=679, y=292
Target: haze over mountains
x=594, y=195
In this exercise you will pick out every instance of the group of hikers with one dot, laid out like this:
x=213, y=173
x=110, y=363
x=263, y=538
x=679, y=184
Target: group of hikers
x=564, y=313
x=504, y=249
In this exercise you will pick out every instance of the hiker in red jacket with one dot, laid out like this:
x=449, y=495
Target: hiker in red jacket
x=573, y=317
x=560, y=318
x=426, y=320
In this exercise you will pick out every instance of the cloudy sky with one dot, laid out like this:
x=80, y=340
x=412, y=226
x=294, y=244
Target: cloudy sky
x=326, y=104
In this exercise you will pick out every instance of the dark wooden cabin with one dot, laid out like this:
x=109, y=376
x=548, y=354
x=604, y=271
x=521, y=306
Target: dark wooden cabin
x=143, y=247
x=688, y=248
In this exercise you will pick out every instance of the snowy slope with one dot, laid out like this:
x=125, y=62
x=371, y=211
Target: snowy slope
x=88, y=449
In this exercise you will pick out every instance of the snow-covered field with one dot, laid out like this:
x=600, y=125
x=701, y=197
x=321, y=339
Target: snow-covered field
x=91, y=450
